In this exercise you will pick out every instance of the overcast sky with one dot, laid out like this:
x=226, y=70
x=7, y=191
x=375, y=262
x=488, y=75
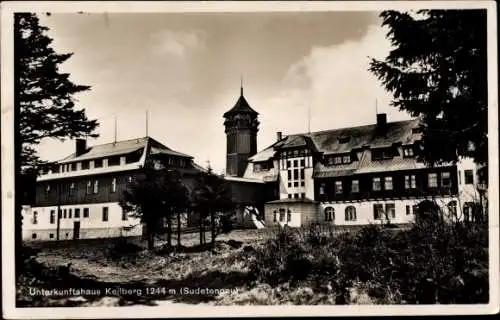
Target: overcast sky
x=185, y=69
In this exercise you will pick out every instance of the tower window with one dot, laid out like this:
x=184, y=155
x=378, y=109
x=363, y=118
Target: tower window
x=469, y=176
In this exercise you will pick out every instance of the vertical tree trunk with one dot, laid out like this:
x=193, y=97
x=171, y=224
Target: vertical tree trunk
x=212, y=227
x=179, y=229
x=151, y=240
x=201, y=228
x=169, y=230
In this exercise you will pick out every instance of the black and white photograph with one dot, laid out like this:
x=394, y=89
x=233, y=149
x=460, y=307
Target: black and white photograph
x=234, y=158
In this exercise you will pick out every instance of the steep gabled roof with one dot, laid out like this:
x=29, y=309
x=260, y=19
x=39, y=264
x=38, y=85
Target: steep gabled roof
x=241, y=106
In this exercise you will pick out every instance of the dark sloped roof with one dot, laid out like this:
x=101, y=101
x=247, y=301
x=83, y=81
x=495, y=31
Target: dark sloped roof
x=368, y=135
x=328, y=141
x=121, y=148
x=241, y=106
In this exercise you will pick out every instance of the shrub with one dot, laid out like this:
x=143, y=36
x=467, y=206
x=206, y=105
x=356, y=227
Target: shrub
x=428, y=263
x=121, y=247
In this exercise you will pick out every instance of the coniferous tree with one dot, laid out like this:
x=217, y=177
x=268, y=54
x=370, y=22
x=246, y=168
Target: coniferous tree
x=212, y=199
x=45, y=95
x=44, y=106
x=155, y=197
x=437, y=70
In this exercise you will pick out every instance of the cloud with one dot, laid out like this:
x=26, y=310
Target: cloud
x=333, y=84
x=177, y=43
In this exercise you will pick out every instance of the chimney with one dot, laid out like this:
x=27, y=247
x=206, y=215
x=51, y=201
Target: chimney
x=279, y=135
x=381, y=119
x=81, y=146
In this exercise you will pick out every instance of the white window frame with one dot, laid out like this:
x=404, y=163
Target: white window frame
x=350, y=213
x=448, y=177
x=434, y=180
x=329, y=214
x=355, y=183
x=338, y=187
x=388, y=182
x=96, y=187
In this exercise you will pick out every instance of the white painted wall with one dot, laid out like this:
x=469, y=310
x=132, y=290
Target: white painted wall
x=91, y=227
x=308, y=187
x=467, y=192
x=364, y=211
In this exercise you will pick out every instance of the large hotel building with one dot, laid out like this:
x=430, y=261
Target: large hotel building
x=348, y=176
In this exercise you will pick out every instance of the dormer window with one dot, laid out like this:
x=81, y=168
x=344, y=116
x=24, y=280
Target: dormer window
x=408, y=152
x=98, y=163
x=85, y=165
x=338, y=159
x=114, y=161
x=262, y=166
x=380, y=154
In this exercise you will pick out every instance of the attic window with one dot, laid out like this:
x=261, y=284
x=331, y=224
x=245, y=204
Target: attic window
x=85, y=164
x=114, y=161
x=98, y=163
x=338, y=159
x=133, y=157
x=344, y=139
x=379, y=154
x=408, y=152
x=262, y=166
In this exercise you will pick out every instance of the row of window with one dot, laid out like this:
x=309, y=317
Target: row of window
x=295, y=153
x=350, y=213
x=111, y=162
x=296, y=174
x=301, y=195
x=99, y=163
x=379, y=212
x=377, y=154
x=284, y=215
x=387, y=183
x=68, y=214
x=297, y=163
x=338, y=159
x=92, y=186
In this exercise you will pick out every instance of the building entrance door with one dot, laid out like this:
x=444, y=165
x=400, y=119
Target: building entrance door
x=76, y=230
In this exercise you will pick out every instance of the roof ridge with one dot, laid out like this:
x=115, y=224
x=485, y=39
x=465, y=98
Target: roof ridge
x=343, y=128
x=119, y=141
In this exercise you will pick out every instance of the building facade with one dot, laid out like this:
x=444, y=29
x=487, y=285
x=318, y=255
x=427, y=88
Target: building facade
x=359, y=175
x=86, y=187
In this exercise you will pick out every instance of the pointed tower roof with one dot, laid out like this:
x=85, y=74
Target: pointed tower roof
x=241, y=106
